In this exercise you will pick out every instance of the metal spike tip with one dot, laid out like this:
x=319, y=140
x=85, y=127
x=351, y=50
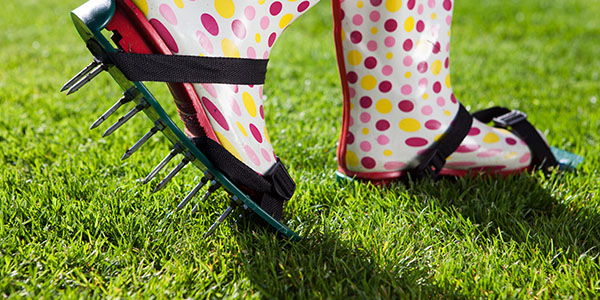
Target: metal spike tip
x=171, y=174
x=86, y=79
x=158, y=127
x=214, y=186
x=176, y=150
x=79, y=75
x=220, y=220
x=128, y=96
x=191, y=194
x=125, y=118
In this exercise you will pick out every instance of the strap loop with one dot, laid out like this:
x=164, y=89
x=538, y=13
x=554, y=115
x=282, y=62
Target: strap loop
x=509, y=119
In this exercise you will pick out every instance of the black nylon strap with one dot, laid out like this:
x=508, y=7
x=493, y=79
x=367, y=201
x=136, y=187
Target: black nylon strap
x=189, y=69
x=275, y=187
x=517, y=121
x=434, y=159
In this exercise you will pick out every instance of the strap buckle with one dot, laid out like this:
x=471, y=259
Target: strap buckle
x=283, y=184
x=431, y=166
x=509, y=119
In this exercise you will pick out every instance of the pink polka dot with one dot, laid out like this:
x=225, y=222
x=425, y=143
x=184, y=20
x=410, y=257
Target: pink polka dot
x=422, y=67
x=467, y=148
x=351, y=121
x=365, y=102
x=433, y=124
x=449, y=20
x=440, y=101
x=210, y=24
x=389, y=41
x=252, y=155
x=385, y=86
x=427, y=110
x=383, y=140
x=437, y=87
x=355, y=37
x=261, y=110
x=349, y=138
x=407, y=45
x=251, y=53
x=420, y=26
x=447, y=6
x=394, y=165
x=272, y=38
x=368, y=162
x=416, y=142
x=407, y=61
x=406, y=89
x=452, y=98
x=387, y=70
x=255, y=133
x=365, y=117
x=265, y=154
x=372, y=45
x=165, y=35
x=390, y=25
x=210, y=89
x=410, y=4
x=352, y=77
x=423, y=83
x=525, y=158
x=239, y=29
x=489, y=153
x=303, y=6
x=406, y=106
x=474, y=131
x=511, y=141
x=167, y=13
x=370, y=62
x=266, y=54
x=382, y=125
x=204, y=42
x=365, y=146
x=420, y=9
x=215, y=113
x=357, y=20
x=275, y=8
x=374, y=16
x=264, y=22
x=431, y=3
x=250, y=13
x=235, y=107
x=351, y=92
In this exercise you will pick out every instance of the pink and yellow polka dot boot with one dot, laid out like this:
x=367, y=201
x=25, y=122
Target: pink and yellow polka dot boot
x=400, y=114
x=213, y=56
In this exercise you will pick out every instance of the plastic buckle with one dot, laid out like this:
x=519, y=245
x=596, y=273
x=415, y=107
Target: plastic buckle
x=283, y=184
x=509, y=119
x=431, y=166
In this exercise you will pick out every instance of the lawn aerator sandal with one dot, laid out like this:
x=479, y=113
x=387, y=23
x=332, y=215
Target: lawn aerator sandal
x=400, y=115
x=213, y=56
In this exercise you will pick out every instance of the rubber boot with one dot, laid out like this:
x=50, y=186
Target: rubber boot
x=393, y=58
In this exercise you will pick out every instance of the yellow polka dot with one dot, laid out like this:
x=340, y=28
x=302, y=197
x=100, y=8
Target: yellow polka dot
x=387, y=152
x=225, y=8
x=241, y=128
x=142, y=5
x=179, y=3
x=257, y=37
x=447, y=112
x=407, y=74
x=351, y=159
x=267, y=136
x=436, y=67
x=389, y=55
x=343, y=34
x=249, y=104
x=374, y=30
x=409, y=125
x=491, y=138
x=365, y=131
x=359, y=4
x=503, y=131
x=229, y=48
x=425, y=96
x=448, y=81
x=384, y=106
x=511, y=155
x=438, y=137
x=354, y=57
x=351, y=106
x=433, y=16
x=261, y=2
x=393, y=5
x=228, y=146
x=409, y=24
x=285, y=20
x=368, y=82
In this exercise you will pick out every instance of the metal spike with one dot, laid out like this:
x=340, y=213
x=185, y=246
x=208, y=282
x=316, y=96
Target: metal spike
x=220, y=220
x=86, y=79
x=126, y=117
x=79, y=75
x=193, y=192
x=176, y=150
x=158, y=127
x=214, y=186
x=128, y=96
x=173, y=172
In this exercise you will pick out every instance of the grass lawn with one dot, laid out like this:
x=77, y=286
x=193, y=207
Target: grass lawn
x=75, y=221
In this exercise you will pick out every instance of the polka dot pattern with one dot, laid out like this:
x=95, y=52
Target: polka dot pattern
x=396, y=62
x=228, y=28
